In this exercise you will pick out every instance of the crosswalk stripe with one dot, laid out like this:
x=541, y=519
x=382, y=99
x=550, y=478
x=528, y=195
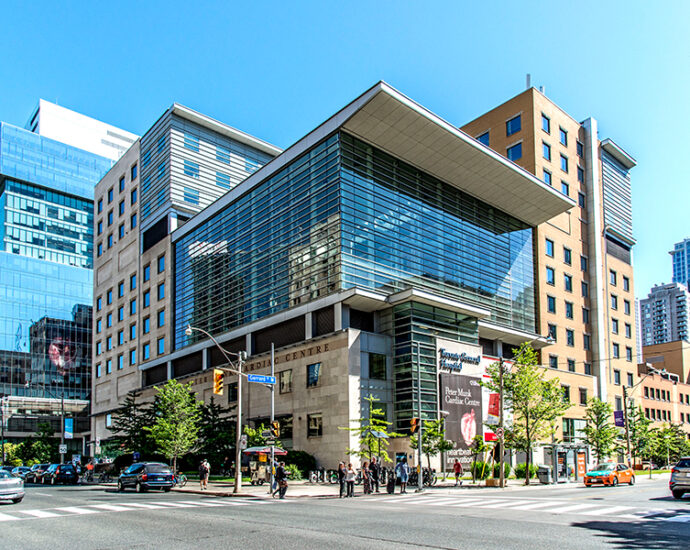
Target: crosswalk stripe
x=606, y=511
x=175, y=504
x=40, y=513
x=467, y=502
x=76, y=510
x=681, y=518
x=5, y=517
x=536, y=505
x=506, y=504
x=142, y=505
x=111, y=507
x=572, y=508
x=438, y=502
x=201, y=503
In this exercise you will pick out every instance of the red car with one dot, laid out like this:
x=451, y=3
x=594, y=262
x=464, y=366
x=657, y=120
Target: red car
x=609, y=473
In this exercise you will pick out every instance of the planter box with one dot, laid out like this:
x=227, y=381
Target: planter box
x=493, y=482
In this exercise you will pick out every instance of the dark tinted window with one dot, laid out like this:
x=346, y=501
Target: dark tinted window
x=683, y=463
x=158, y=468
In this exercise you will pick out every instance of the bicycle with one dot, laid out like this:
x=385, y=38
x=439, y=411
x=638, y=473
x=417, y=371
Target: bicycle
x=105, y=478
x=180, y=480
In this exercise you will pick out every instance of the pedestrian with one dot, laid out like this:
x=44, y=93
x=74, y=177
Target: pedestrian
x=275, y=481
x=366, y=478
x=402, y=471
x=342, y=472
x=350, y=476
x=281, y=478
x=457, y=469
x=204, y=470
x=374, y=474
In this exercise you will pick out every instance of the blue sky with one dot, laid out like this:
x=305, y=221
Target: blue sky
x=277, y=69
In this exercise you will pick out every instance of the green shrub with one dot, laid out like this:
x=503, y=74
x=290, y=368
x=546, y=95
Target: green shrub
x=497, y=470
x=293, y=472
x=481, y=470
x=520, y=471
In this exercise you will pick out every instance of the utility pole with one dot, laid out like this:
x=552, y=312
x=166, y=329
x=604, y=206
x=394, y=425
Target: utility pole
x=420, y=480
x=62, y=423
x=627, y=426
x=500, y=425
x=2, y=427
x=272, y=388
x=238, y=451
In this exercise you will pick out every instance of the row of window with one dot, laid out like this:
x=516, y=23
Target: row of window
x=566, y=395
x=110, y=218
x=660, y=414
x=145, y=355
x=553, y=363
x=663, y=395
x=110, y=194
x=613, y=280
x=160, y=263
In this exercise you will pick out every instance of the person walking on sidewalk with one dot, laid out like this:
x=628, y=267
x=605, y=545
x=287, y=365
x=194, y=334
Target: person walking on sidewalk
x=342, y=473
x=281, y=478
x=204, y=470
x=366, y=478
x=374, y=474
x=350, y=476
x=457, y=469
x=402, y=471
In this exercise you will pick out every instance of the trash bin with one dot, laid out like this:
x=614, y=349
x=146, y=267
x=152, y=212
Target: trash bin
x=544, y=474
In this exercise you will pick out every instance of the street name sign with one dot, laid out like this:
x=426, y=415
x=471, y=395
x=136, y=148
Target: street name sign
x=261, y=378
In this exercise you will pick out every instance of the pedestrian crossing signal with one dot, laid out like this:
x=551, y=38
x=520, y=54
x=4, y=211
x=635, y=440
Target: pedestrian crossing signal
x=414, y=424
x=275, y=428
x=218, y=380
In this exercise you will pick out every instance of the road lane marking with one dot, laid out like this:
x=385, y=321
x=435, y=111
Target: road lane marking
x=40, y=513
x=468, y=502
x=174, y=504
x=5, y=517
x=111, y=507
x=536, y=505
x=572, y=508
x=76, y=510
x=506, y=503
x=141, y=505
x=607, y=510
x=200, y=503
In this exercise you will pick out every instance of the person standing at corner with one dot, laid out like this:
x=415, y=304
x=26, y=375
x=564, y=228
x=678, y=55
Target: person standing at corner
x=281, y=478
x=374, y=474
x=366, y=478
x=402, y=471
x=350, y=476
x=457, y=469
x=342, y=472
x=203, y=475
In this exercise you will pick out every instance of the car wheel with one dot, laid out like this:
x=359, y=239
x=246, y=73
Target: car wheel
x=17, y=500
x=140, y=488
x=614, y=481
x=167, y=489
x=632, y=480
x=678, y=494
x=120, y=487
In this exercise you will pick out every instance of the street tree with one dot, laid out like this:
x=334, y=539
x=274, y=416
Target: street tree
x=534, y=401
x=433, y=440
x=129, y=424
x=255, y=437
x=600, y=433
x=638, y=428
x=372, y=432
x=667, y=444
x=217, y=433
x=176, y=426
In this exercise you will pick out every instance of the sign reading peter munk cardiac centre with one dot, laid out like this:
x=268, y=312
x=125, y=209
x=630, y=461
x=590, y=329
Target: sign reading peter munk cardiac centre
x=461, y=397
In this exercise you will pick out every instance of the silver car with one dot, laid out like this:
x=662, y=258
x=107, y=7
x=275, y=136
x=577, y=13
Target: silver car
x=11, y=488
x=680, y=478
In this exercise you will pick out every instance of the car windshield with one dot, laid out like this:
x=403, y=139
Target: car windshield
x=605, y=467
x=4, y=474
x=158, y=468
x=683, y=463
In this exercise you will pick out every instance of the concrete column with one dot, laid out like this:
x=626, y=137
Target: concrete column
x=338, y=311
x=308, y=331
x=170, y=370
x=204, y=358
x=248, y=343
x=499, y=348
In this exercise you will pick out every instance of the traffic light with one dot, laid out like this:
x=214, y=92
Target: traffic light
x=414, y=424
x=218, y=380
x=275, y=428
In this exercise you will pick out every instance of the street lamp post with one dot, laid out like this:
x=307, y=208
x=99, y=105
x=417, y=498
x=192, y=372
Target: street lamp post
x=650, y=370
x=2, y=427
x=420, y=476
x=444, y=415
x=241, y=356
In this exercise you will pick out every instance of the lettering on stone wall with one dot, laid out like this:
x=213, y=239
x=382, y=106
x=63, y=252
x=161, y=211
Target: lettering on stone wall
x=290, y=356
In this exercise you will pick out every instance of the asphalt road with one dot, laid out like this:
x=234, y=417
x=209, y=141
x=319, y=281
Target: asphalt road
x=643, y=516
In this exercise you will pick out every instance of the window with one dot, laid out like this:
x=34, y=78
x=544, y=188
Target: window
x=581, y=200
x=161, y=291
x=553, y=361
x=223, y=154
x=285, y=381
x=550, y=276
x=626, y=283
x=614, y=301
x=570, y=337
x=109, y=297
x=566, y=394
x=313, y=375
x=580, y=175
x=120, y=362
x=646, y=392
x=146, y=157
x=133, y=357
x=569, y=310
x=147, y=272
x=191, y=142
x=99, y=326
x=549, y=248
x=109, y=343
x=134, y=172
x=146, y=351
x=586, y=343
x=563, y=136
x=147, y=325
x=626, y=307
x=109, y=366
x=232, y=392
x=100, y=228
x=314, y=425
x=616, y=351
x=110, y=195
x=377, y=366
x=121, y=231
x=99, y=303
x=568, y=282
x=98, y=370
x=583, y=397
x=161, y=318
x=110, y=240
x=190, y=195
x=617, y=377
x=612, y=277
x=133, y=307
x=628, y=354
x=100, y=206
x=547, y=177
x=585, y=315
x=553, y=332
x=191, y=169
x=658, y=394
x=99, y=348
x=161, y=346
x=513, y=125
x=121, y=208
x=628, y=330
x=515, y=152
x=133, y=281
x=564, y=163
x=484, y=138
x=122, y=184
x=630, y=380
x=583, y=264
x=120, y=289
x=546, y=150
x=545, y=123
x=132, y=331
x=120, y=313
x=133, y=221
x=567, y=256
x=147, y=298
x=161, y=263
x=222, y=180
x=580, y=149
x=571, y=365
x=614, y=326
x=551, y=304
x=565, y=188
x=100, y=249
x=588, y=369
x=110, y=218
x=585, y=289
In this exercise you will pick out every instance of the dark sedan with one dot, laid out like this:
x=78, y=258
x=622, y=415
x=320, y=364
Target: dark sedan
x=60, y=473
x=143, y=476
x=34, y=475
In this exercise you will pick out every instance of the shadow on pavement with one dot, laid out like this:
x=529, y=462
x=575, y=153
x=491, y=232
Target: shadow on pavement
x=634, y=534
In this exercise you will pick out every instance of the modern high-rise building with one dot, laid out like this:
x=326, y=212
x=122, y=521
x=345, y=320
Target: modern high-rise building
x=48, y=172
x=665, y=314
x=584, y=285
x=681, y=262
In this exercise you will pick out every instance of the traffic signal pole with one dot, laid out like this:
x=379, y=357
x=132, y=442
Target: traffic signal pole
x=501, y=444
x=420, y=480
x=272, y=387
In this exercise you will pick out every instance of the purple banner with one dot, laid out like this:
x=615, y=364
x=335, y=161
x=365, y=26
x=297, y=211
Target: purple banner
x=618, y=418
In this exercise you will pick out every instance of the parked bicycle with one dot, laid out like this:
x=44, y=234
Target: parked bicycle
x=179, y=480
x=429, y=478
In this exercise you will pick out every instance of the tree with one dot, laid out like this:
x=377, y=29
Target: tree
x=534, y=401
x=255, y=437
x=129, y=425
x=216, y=433
x=44, y=447
x=638, y=428
x=667, y=444
x=176, y=427
x=478, y=447
x=433, y=440
x=372, y=433
x=600, y=434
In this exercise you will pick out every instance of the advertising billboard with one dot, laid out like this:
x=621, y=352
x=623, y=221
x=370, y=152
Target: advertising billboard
x=462, y=398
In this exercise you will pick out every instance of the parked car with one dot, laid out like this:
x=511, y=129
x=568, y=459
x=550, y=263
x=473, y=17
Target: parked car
x=610, y=473
x=34, y=475
x=680, y=478
x=7, y=469
x=146, y=475
x=11, y=488
x=60, y=473
x=20, y=471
